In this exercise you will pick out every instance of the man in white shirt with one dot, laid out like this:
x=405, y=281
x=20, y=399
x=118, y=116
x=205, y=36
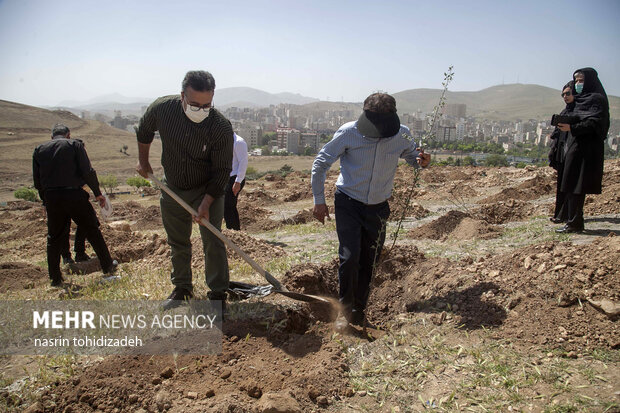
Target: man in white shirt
x=235, y=183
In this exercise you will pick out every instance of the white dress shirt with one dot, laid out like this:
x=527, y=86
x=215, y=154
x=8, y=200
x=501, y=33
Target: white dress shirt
x=240, y=159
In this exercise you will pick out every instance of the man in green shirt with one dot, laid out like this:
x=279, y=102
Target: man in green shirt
x=197, y=150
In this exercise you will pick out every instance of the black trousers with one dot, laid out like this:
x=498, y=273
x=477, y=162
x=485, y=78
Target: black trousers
x=561, y=209
x=62, y=206
x=231, y=215
x=361, y=234
x=575, y=203
x=79, y=244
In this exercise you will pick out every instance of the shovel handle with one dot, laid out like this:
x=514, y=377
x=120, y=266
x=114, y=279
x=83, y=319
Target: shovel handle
x=270, y=278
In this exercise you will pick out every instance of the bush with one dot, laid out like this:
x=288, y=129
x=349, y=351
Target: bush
x=469, y=161
x=286, y=168
x=138, y=181
x=28, y=194
x=496, y=160
x=108, y=182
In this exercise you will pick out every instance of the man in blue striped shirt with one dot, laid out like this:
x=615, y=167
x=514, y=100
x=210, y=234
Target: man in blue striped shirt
x=368, y=149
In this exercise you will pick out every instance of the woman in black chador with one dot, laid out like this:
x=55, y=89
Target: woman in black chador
x=583, y=164
x=557, y=155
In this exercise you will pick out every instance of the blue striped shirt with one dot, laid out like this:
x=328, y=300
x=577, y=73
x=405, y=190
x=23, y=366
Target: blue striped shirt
x=367, y=165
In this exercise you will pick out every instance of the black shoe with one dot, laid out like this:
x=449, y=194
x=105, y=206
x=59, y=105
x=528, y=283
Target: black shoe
x=357, y=318
x=176, y=298
x=57, y=282
x=568, y=230
x=552, y=219
x=81, y=257
x=67, y=259
x=111, y=270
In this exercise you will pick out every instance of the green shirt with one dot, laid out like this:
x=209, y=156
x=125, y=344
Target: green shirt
x=193, y=154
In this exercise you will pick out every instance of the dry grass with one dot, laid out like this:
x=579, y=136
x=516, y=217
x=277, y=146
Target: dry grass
x=420, y=366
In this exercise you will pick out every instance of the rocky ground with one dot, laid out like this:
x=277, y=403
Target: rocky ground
x=476, y=262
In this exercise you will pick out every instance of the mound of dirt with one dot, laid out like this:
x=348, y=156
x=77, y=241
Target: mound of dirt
x=259, y=197
x=255, y=218
x=455, y=224
x=150, y=218
x=23, y=229
x=461, y=191
x=509, y=193
x=608, y=202
x=316, y=279
x=535, y=295
x=128, y=211
x=19, y=205
x=502, y=212
x=302, y=217
x=20, y=275
x=470, y=228
x=296, y=195
x=415, y=210
x=269, y=370
x=543, y=184
x=126, y=245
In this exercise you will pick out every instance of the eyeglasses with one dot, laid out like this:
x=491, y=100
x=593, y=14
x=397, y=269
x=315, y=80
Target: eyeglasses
x=206, y=107
x=566, y=94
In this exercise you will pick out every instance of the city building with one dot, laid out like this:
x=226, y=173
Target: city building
x=455, y=110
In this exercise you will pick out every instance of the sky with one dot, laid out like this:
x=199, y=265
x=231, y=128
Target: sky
x=59, y=50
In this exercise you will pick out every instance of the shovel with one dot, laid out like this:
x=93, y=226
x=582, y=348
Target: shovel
x=277, y=285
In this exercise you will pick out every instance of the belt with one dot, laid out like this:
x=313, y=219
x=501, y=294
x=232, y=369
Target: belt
x=338, y=191
x=62, y=188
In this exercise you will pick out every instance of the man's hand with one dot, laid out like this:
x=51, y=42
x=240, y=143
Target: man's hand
x=564, y=127
x=144, y=169
x=203, y=209
x=321, y=211
x=424, y=159
x=101, y=200
x=236, y=188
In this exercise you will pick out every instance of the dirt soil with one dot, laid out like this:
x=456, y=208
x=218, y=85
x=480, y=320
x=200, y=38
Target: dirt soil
x=547, y=293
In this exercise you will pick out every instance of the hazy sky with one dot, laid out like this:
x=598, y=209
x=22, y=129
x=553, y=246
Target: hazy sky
x=56, y=50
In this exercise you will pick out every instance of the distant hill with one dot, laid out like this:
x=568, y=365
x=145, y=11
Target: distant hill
x=504, y=102
x=322, y=106
x=24, y=127
x=250, y=97
x=225, y=97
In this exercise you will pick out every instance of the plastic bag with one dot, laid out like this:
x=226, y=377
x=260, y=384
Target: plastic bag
x=106, y=210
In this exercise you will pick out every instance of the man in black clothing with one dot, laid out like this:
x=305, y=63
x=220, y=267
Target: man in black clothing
x=60, y=168
x=79, y=247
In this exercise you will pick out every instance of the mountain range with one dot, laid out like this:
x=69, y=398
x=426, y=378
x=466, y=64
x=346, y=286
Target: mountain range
x=502, y=102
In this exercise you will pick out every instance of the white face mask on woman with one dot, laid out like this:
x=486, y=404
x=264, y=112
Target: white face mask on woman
x=196, y=114
x=578, y=87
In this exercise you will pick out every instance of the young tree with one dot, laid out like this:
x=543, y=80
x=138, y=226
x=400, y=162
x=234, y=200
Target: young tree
x=108, y=182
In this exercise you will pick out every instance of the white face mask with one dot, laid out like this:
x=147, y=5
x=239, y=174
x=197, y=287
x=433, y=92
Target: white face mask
x=196, y=115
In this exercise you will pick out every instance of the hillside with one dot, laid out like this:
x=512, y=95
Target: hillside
x=480, y=306
x=24, y=127
x=502, y=102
